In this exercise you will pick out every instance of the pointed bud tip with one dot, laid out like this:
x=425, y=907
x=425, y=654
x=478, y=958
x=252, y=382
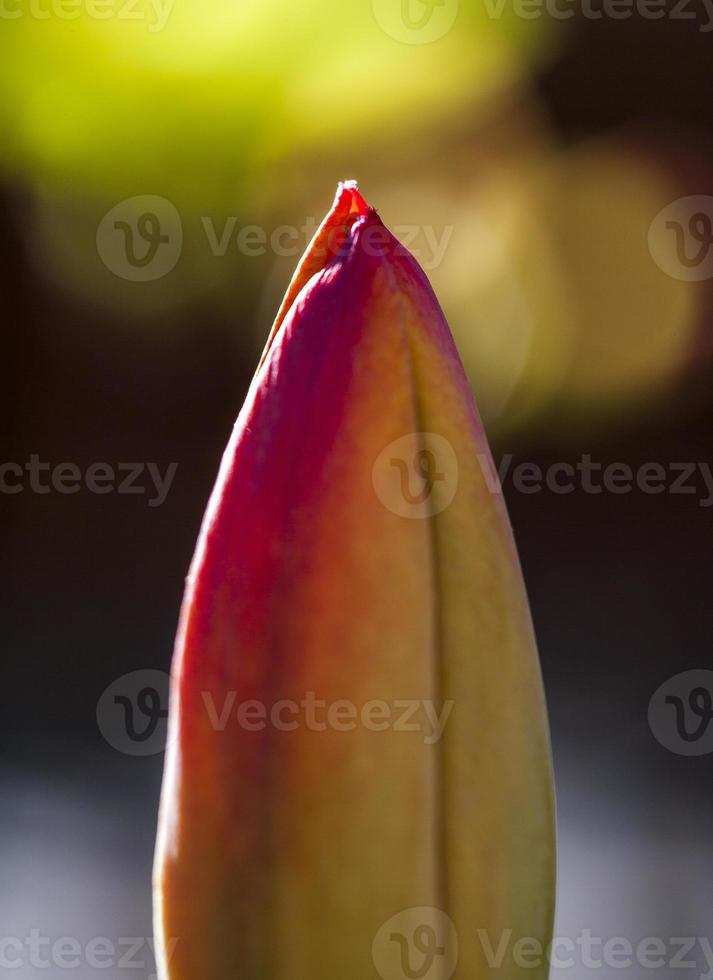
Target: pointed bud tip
x=349, y=199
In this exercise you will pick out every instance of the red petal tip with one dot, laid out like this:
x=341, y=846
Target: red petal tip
x=349, y=199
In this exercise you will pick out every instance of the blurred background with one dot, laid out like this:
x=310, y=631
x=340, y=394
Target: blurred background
x=163, y=163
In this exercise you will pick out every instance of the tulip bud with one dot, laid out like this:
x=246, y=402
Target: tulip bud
x=358, y=777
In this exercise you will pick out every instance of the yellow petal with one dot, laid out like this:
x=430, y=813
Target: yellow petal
x=358, y=721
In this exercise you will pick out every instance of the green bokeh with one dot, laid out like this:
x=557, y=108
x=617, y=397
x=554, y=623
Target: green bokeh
x=103, y=97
